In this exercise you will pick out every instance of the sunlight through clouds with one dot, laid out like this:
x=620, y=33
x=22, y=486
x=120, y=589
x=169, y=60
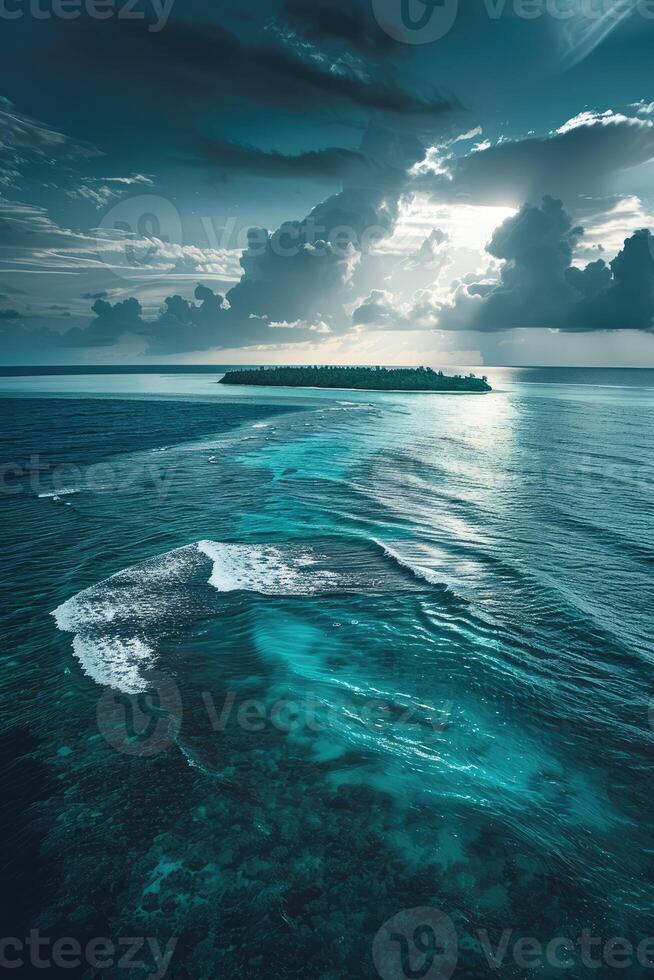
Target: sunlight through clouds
x=467, y=226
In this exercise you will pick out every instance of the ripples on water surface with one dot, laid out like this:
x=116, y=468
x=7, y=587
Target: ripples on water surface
x=442, y=606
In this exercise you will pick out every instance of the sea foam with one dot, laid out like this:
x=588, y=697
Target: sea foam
x=119, y=623
x=114, y=622
x=267, y=569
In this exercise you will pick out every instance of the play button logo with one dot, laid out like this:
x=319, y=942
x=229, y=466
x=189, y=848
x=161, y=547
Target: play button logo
x=416, y=21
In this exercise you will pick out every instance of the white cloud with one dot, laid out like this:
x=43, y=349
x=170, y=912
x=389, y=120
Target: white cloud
x=100, y=192
x=21, y=131
x=470, y=135
x=606, y=230
x=643, y=108
x=607, y=118
x=318, y=326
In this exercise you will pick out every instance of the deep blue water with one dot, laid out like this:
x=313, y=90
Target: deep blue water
x=320, y=657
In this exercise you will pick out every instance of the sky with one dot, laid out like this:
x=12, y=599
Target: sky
x=327, y=181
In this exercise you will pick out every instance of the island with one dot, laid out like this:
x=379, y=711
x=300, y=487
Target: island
x=361, y=378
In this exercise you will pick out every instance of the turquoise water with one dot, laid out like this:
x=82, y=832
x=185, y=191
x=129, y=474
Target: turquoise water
x=318, y=657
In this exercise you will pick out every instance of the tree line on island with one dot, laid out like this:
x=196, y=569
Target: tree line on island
x=365, y=378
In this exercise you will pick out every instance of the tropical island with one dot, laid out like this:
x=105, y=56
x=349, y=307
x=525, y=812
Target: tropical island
x=362, y=378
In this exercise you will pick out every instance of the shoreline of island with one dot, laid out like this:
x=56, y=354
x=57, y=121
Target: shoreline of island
x=394, y=380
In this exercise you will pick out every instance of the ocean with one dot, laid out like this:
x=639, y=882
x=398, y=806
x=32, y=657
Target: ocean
x=281, y=667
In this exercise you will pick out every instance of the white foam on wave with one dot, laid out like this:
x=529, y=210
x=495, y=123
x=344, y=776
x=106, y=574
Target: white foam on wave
x=419, y=570
x=267, y=569
x=119, y=623
x=114, y=662
x=56, y=494
x=115, y=621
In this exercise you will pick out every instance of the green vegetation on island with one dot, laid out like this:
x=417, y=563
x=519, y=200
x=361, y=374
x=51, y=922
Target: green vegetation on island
x=363, y=378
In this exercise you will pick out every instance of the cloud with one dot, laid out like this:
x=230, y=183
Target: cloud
x=8, y=290
x=643, y=108
x=378, y=308
x=332, y=163
x=608, y=223
x=27, y=232
x=539, y=287
x=30, y=241
x=578, y=159
x=384, y=310
x=217, y=322
x=430, y=252
x=298, y=278
x=24, y=140
x=296, y=298
x=19, y=131
x=101, y=191
x=133, y=180
x=9, y=315
x=197, y=63
x=110, y=324
x=348, y=24
x=184, y=325
x=127, y=311
x=536, y=248
x=620, y=296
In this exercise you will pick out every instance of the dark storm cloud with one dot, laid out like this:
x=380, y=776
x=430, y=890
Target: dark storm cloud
x=301, y=272
x=9, y=315
x=124, y=313
x=294, y=274
x=185, y=325
x=332, y=163
x=625, y=297
x=343, y=21
x=291, y=279
x=198, y=63
x=536, y=248
x=110, y=324
x=576, y=160
x=294, y=279
x=539, y=287
x=288, y=276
